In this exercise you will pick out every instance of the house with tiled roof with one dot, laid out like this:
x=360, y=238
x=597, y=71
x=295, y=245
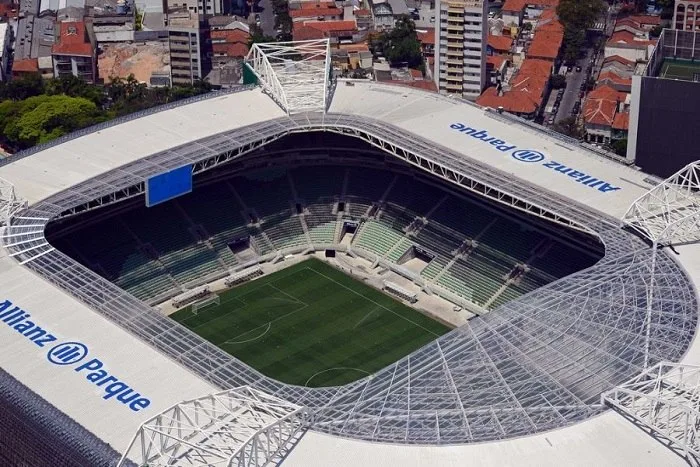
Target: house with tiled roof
x=514, y=11
x=615, y=81
x=335, y=30
x=74, y=53
x=548, y=37
x=315, y=10
x=630, y=46
x=232, y=43
x=525, y=92
x=499, y=45
x=426, y=38
x=618, y=65
x=602, y=111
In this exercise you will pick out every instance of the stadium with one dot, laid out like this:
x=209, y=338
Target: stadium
x=307, y=271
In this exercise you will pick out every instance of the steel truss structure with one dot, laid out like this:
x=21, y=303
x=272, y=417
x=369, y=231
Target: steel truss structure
x=10, y=204
x=669, y=212
x=295, y=74
x=238, y=427
x=537, y=363
x=664, y=399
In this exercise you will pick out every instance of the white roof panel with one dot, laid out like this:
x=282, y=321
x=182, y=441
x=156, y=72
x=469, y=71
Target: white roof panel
x=68, y=324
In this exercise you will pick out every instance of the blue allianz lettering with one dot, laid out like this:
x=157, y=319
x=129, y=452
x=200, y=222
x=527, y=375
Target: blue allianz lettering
x=534, y=157
x=72, y=353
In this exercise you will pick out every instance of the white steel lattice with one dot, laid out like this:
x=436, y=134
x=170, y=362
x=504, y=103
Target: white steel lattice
x=669, y=212
x=534, y=364
x=666, y=399
x=10, y=204
x=238, y=427
x=295, y=74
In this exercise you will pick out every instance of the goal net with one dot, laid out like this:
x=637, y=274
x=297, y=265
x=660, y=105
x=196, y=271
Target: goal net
x=205, y=302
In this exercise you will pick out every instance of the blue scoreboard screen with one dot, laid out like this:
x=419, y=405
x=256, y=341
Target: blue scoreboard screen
x=168, y=185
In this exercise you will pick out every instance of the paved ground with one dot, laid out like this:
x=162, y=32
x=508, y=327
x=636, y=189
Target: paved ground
x=267, y=16
x=573, y=86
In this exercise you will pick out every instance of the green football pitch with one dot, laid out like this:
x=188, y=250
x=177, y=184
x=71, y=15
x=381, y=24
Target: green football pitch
x=312, y=325
x=680, y=69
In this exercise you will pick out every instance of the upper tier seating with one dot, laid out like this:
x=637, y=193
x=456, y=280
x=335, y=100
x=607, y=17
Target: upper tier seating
x=154, y=251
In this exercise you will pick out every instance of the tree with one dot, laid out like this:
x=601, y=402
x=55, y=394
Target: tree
x=577, y=16
x=619, y=146
x=557, y=81
x=401, y=45
x=22, y=88
x=568, y=126
x=42, y=118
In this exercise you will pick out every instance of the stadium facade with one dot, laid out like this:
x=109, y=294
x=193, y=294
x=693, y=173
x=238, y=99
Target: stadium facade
x=524, y=380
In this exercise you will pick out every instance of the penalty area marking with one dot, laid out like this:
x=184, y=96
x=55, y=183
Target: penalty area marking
x=335, y=368
x=267, y=329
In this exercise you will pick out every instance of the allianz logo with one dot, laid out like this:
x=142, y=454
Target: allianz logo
x=531, y=156
x=72, y=355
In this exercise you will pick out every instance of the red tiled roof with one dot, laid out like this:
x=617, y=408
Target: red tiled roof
x=308, y=30
x=362, y=12
x=513, y=5
x=549, y=21
x=527, y=89
x=601, y=105
x=646, y=19
x=545, y=44
x=354, y=47
x=232, y=43
x=627, y=38
x=416, y=74
x=72, y=40
x=614, y=78
x=312, y=10
x=621, y=121
x=427, y=37
x=619, y=59
x=27, y=65
x=495, y=60
x=500, y=43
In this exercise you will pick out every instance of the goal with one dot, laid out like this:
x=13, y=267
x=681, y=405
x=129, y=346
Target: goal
x=208, y=301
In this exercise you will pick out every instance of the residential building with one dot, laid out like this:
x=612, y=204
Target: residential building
x=460, y=47
x=496, y=65
x=686, y=15
x=336, y=31
x=615, y=81
x=25, y=66
x=185, y=44
x=499, y=45
x=630, y=46
x=525, y=93
x=363, y=17
x=548, y=37
x=665, y=105
x=385, y=12
x=4, y=50
x=514, y=12
x=601, y=114
x=427, y=41
x=618, y=65
x=74, y=52
x=315, y=10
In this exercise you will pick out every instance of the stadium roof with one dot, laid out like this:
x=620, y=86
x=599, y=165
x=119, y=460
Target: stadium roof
x=543, y=168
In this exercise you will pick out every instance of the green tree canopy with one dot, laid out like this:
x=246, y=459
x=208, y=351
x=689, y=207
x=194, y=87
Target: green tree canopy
x=401, y=45
x=577, y=16
x=41, y=118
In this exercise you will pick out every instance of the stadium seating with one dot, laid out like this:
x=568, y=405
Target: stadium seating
x=376, y=238
x=151, y=252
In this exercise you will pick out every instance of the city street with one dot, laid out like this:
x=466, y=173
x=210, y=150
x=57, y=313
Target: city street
x=573, y=86
x=267, y=17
